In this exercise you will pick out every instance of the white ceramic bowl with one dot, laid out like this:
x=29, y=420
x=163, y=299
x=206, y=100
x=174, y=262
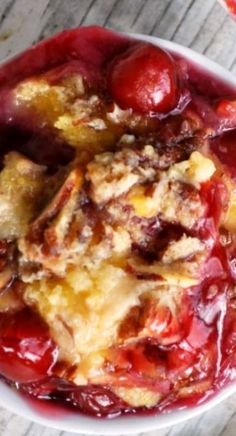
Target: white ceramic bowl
x=72, y=421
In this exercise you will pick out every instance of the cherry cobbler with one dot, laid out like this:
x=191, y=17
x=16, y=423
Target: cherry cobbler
x=117, y=226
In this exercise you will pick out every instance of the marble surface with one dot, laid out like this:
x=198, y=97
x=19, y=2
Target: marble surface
x=200, y=24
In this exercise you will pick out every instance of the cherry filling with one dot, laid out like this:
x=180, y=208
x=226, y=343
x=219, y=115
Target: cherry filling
x=144, y=79
x=231, y=4
x=225, y=148
x=27, y=353
x=193, y=352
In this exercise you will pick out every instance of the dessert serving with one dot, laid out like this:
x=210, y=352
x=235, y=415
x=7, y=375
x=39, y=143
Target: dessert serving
x=117, y=226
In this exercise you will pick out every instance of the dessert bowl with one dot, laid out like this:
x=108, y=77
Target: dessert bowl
x=51, y=414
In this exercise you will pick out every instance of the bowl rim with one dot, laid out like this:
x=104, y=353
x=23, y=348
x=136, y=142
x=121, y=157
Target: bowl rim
x=78, y=423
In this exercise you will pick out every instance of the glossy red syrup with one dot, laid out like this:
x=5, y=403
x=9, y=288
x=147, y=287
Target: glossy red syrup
x=205, y=330
x=144, y=78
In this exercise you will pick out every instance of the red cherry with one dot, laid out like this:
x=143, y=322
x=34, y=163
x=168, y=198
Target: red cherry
x=27, y=353
x=144, y=79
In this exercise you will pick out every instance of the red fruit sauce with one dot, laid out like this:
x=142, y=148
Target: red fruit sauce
x=27, y=352
x=206, y=326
